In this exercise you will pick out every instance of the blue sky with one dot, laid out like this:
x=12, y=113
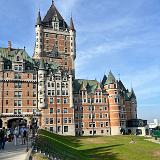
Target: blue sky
x=121, y=35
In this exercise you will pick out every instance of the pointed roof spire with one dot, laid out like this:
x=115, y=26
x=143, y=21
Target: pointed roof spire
x=52, y=2
x=39, y=22
x=132, y=93
x=72, y=24
x=110, y=78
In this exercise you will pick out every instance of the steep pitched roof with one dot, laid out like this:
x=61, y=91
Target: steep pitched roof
x=72, y=25
x=110, y=78
x=89, y=84
x=51, y=13
x=39, y=22
x=10, y=55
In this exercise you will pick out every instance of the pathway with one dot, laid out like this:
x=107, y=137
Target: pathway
x=12, y=152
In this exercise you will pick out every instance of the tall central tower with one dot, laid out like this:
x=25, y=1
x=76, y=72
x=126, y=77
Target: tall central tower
x=55, y=40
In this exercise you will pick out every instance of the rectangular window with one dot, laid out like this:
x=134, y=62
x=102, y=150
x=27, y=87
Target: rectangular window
x=51, y=100
x=17, y=94
x=19, y=111
x=15, y=111
x=17, y=103
x=58, y=120
x=6, y=110
x=18, y=85
x=100, y=115
x=63, y=92
x=52, y=92
x=6, y=102
x=65, y=120
x=34, y=85
x=69, y=120
x=28, y=102
x=58, y=92
x=51, y=129
x=65, y=100
x=65, y=128
x=65, y=110
x=51, y=110
x=41, y=100
x=34, y=102
x=58, y=110
x=51, y=120
x=47, y=120
x=49, y=92
x=34, y=94
x=106, y=123
x=34, y=76
x=58, y=100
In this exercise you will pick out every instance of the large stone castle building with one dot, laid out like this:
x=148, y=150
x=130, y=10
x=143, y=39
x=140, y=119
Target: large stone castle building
x=45, y=88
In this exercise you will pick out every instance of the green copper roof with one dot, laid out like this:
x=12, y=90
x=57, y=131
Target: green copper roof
x=11, y=55
x=90, y=85
x=110, y=78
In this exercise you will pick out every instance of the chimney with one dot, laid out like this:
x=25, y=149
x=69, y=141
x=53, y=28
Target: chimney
x=9, y=45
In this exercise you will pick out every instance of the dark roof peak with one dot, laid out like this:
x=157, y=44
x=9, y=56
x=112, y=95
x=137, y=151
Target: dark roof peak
x=72, y=24
x=39, y=22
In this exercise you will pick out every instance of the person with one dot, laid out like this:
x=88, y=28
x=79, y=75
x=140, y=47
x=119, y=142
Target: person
x=8, y=135
x=21, y=132
x=24, y=135
x=15, y=133
x=3, y=137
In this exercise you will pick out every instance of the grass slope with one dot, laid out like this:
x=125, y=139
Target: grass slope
x=108, y=147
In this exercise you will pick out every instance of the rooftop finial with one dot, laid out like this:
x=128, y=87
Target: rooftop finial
x=52, y=2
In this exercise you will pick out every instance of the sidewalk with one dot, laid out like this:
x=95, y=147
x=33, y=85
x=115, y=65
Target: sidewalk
x=12, y=152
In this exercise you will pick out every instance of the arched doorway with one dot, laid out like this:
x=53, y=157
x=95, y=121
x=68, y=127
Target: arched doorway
x=15, y=122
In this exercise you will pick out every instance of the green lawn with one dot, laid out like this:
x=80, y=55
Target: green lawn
x=108, y=147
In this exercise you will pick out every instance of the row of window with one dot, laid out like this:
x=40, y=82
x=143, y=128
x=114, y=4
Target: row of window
x=89, y=100
x=65, y=110
x=52, y=92
x=65, y=129
x=53, y=120
x=19, y=85
x=19, y=111
x=91, y=108
x=19, y=102
x=92, y=124
x=58, y=85
x=91, y=115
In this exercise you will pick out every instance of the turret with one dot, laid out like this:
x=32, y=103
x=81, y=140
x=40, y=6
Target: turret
x=39, y=38
x=114, y=103
x=72, y=44
x=41, y=86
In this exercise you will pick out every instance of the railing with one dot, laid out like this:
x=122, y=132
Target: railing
x=47, y=143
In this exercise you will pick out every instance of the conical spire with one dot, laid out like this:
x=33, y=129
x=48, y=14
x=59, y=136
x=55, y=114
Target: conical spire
x=132, y=93
x=39, y=22
x=110, y=78
x=72, y=25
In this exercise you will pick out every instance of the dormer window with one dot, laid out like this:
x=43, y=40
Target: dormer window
x=18, y=59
